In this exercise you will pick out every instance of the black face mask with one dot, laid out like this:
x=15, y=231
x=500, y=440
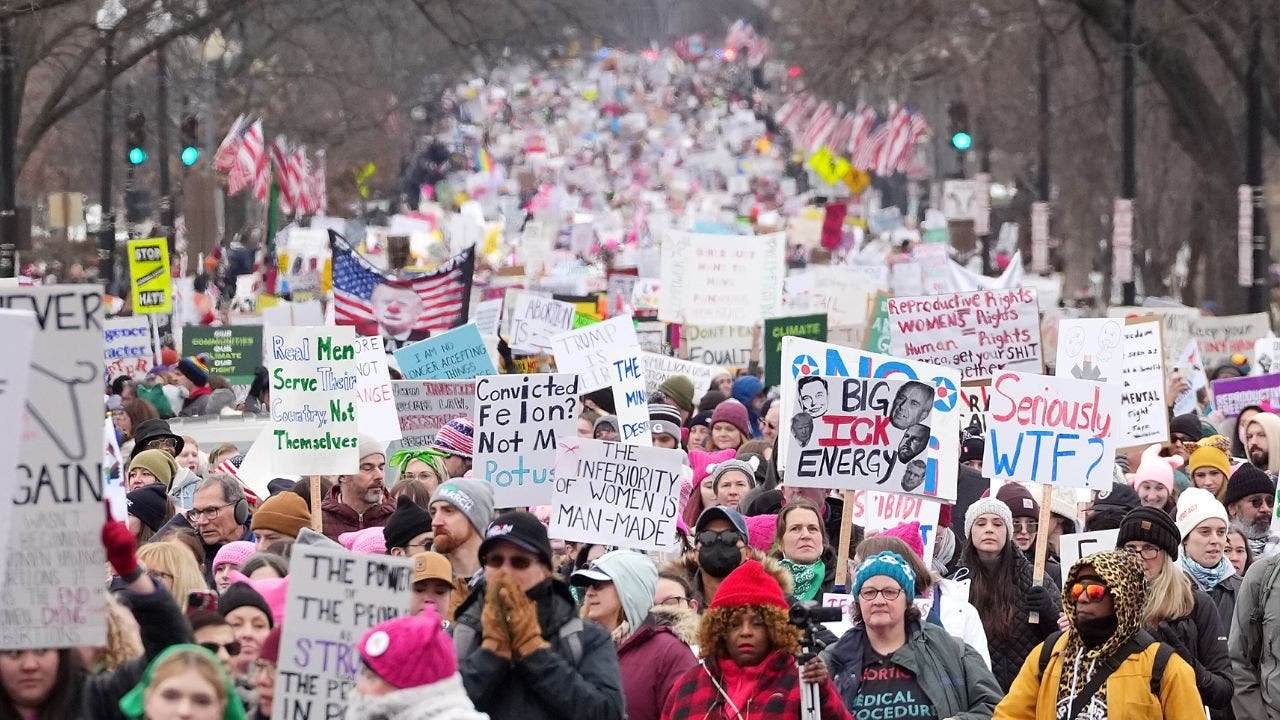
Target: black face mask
x=718, y=559
x=1096, y=631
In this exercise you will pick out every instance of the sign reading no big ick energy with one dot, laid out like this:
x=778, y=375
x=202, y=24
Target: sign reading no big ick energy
x=150, y=286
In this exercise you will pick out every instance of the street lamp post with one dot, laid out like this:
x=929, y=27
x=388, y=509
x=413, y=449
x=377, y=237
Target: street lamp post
x=108, y=18
x=159, y=25
x=8, y=140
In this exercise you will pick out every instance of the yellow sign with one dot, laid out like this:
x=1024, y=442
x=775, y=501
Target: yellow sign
x=828, y=166
x=856, y=180
x=151, y=288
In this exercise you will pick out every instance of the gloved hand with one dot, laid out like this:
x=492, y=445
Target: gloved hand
x=1038, y=600
x=121, y=547
x=493, y=620
x=522, y=619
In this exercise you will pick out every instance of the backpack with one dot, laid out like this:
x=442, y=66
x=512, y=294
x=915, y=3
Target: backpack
x=1138, y=643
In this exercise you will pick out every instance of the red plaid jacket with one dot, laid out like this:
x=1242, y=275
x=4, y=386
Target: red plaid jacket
x=777, y=697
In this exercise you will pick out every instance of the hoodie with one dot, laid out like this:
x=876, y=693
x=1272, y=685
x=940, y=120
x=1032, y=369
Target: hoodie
x=746, y=389
x=1271, y=425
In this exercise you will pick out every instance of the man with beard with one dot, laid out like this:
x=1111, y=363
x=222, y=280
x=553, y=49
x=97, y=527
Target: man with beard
x=1262, y=442
x=913, y=442
x=911, y=405
x=720, y=544
x=1250, y=500
x=460, y=512
x=359, y=501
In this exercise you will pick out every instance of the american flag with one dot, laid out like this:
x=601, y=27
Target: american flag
x=445, y=291
x=891, y=149
x=282, y=164
x=863, y=121
x=240, y=154
x=253, y=157
x=225, y=157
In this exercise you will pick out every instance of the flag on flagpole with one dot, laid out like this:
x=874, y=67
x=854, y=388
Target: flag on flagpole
x=226, y=156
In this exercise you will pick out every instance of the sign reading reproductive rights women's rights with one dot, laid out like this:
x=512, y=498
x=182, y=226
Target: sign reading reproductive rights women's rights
x=586, y=351
x=1054, y=430
x=128, y=350
x=313, y=400
x=859, y=433
x=980, y=332
x=335, y=597
x=52, y=591
x=615, y=494
x=424, y=406
x=458, y=354
x=517, y=419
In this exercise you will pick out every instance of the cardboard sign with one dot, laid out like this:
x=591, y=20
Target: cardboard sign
x=375, y=403
x=980, y=332
x=877, y=511
x=536, y=320
x=424, y=406
x=721, y=345
x=1232, y=395
x=335, y=597
x=801, y=358
x=150, y=286
x=517, y=419
x=586, y=351
x=1053, y=430
x=615, y=494
x=488, y=316
x=1074, y=546
x=629, y=396
x=1221, y=337
x=127, y=348
x=18, y=328
x=1145, y=414
x=234, y=352
x=313, y=400
x=1090, y=349
x=52, y=594
x=879, y=337
x=657, y=368
x=813, y=327
x=458, y=354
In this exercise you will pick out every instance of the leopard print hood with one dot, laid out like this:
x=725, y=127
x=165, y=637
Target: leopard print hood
x=1124, y=577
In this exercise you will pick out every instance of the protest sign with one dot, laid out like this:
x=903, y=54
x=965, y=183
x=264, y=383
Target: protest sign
x=1073, y=546
x=813, y=327
x=615, y=494
x=517, y=419
x=586, y=351
x=657, y=368
x=1191, y=367
x=974, y=402
x=127, y=348
x=630, y=400
x=52, y=593
x=488, y=316
x=840, y=291
x=723, y=345
x=1175, y=325
x=1053, y=430
x=235, y=352
x=375, y=403
x=618, y=290
x=1090, y=349
x=980, y=332
x=458, y=354
x=1231, y=395
x=1266, y=356
x=858, y=433
x=18, y=328
x=1220, y=337
x=877, y=511
x=334, y=597
x=1145, y=416
x=878, y=335
x=150, y=286
x=536, y=320
x=731, y=285
x=424, y=406
x=313, y=400
x=802, y=358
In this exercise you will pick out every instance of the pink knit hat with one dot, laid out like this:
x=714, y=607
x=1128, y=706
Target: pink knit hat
x=1155, y=468
x=275, y=591
x=760, y=530
x=233, y=553
x=734, y=413
x=410, y=651
x=908, y=533
x=369, y=540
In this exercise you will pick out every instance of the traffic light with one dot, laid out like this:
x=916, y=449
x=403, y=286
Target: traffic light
x=958, y=113
x=190, y=144
x=136, y=138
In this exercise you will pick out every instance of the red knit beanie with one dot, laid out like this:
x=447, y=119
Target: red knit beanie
x=749, y=584
x=271, y=646
x=735, y=413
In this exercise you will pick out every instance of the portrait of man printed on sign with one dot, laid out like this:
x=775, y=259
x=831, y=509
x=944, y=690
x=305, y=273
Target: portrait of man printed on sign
x=913, y=476
x=913, y=442
x=397, y=311
x=811, y=392
x=911, y=405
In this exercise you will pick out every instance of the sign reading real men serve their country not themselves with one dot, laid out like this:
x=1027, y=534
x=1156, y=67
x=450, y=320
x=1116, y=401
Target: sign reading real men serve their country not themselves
x=980, y=332
x=150, y=286
x=313, y=400
x=517, y=419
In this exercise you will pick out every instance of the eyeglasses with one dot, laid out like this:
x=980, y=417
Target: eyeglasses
x=161, y=443
x=232, y=648
x=517, y=562
x=1026, y=526
x=1090, y=591
x=424, y=476
x=1259, y=500
x=675, y=601
x=890, y=593
x=160, y=576
x=728, y=537
x=1146, y=552
x=197, y=514
x=1180, y=439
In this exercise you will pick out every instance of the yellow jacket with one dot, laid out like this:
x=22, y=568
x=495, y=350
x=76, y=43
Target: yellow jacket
x=1128, y=689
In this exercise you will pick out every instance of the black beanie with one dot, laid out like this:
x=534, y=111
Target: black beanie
x=150, y=505
x=1153, y=525
x=1187, y=424
x=1248, y=479
x=407, y=522
x=240, y=595
x=1120, y=497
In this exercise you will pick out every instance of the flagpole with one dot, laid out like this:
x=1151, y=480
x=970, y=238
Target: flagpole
x=273, y=217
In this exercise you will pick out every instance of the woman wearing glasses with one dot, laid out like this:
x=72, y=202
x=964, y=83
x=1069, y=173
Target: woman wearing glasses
x=1175, y=613
x=172, y=566
x=652, y=640
x=1026, y=525
x=424, y=468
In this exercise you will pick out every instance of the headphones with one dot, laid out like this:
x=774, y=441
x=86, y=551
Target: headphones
x=241, y=511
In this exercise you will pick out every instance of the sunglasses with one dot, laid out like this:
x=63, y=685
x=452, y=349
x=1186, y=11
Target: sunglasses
x=1090, y=591
x=517, y=562
x=728, y=537
x=1026, y=526
x=232, y=648
x=158, y=443
x=1260, y=500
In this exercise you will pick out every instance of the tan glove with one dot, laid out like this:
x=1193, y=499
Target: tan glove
x=522, y=620
x=493, y=620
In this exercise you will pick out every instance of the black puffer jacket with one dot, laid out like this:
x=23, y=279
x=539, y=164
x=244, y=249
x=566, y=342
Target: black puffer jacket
x=1008, y=653
x=1202, y=641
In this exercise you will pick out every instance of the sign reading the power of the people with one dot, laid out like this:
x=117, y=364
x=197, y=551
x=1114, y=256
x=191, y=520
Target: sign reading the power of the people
x=517, y=419
x=980, y=332
x=616, y=494
x=314, y=376
x=234, y=351
x=150, y=286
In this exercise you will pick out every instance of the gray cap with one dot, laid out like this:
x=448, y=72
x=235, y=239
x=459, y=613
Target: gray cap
x=473, y=497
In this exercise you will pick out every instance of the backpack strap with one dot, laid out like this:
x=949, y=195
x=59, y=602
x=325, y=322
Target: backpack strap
x=571, y=633
x=1046, y=650
x=1163, y=653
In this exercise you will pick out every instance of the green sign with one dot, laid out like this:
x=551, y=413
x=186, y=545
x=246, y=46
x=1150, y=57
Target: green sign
x=878, y=333
x=234, y=351
x=812, y=327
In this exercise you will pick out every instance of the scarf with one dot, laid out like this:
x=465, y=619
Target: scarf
x=442, y=700
x=740, y=682
x=1207, y=578
x=806, y=578
x=620, y=633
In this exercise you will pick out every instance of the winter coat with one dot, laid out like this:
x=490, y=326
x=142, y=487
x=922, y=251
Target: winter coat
x=654, y=657
x=340, y=518
x=441, y=700
x=1223, y=596
x=1255, y=643
x=957, y=616
x=697, y=695
x=197, y=403
x=1200, y=640
x=549, y=683
x=1128, y=689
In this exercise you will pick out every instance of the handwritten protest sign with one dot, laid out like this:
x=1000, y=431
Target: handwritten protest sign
x=858, y=433
x=1090, y=349
x=980, y=332
x=629, y=396
x=424, y=406
x=1073, y=546
x=1175, y=325
x=234, y=352
x=150, y=286
x=1145, y=416
x=458, y=354
x=615, y=494
x=813, y=327
x=1054, y=430
x=1220, y=337
x=1191, y=366
x=313, y=399
x=713, y=279
x=52, y=594
x=488, y=316
x=879, y=337
x=335, y=596
x=723, y=345
x=536, y=320
x=974, y=402
x=517, y=419
x=1266, y=356
x=586, y=351
x=657, y=368
x=802, y=358
x=127, y=348
x=1232, y=395
x=877, y=511
x=375, y=403
x=18, y=328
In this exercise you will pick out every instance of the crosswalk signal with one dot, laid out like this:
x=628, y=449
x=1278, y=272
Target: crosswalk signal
x=136, y=138
x=958, y=114
x=190, y=154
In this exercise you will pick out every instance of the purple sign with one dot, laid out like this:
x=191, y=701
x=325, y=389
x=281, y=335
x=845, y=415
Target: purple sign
x=1232, y=395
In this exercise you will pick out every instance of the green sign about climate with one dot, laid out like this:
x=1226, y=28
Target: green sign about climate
x=812, y=327
x=234, y=352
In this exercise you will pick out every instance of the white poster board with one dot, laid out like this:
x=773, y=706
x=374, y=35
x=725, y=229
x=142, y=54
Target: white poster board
x=1145, y=416
x=629, y=397
x=313, y=399
x=517, y=419
x=424, y=406
x=657, y=368
x=18, y=328
x=1090, y=349
x=586, y=351
x=1075, y=546
x=127, y=349
x=538, y=319
x=720, y=345
x=375, y=403
x=980, y=332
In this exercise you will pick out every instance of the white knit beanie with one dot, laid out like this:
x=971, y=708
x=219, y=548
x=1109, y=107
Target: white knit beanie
x=988, y=506
x=1195, y=505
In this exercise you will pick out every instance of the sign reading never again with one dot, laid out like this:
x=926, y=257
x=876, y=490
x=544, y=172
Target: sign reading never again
x=150, y=287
